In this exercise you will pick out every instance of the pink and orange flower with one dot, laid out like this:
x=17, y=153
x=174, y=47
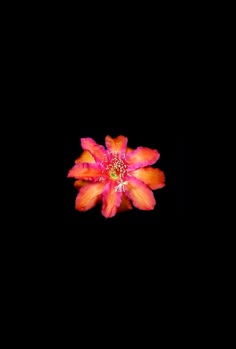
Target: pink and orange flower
x=116, y=176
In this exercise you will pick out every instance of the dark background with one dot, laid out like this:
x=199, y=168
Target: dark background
x=141, y=89
x=92, y=82
x=142, y=80
x=132, y=81
x=140, y=84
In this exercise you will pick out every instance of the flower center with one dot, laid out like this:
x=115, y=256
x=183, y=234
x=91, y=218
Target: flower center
x=115, y=165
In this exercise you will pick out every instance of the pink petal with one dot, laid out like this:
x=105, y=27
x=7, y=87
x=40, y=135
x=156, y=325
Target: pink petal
x=141, y=157
x=111, y=200
x=87, y=172
x=88, y=196
x=141, y=196
x=117, y=144
x=97, y=151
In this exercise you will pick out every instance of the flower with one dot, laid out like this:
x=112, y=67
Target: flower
x=116, y=176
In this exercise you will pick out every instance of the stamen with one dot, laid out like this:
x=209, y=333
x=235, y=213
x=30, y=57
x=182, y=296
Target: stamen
x=114, y=165
x=121, y=186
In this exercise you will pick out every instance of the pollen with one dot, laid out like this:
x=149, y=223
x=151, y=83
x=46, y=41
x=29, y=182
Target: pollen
x=115, y=165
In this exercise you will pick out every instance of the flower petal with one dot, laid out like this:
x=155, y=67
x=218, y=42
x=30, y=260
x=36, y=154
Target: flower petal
x=125, y=204
x=80, y=183
x=88, y=196
x=141, y=157
x=97, y=151
x=128, y=150
x=111, y=200
x=87, y=172
x=117, y=144
x=141, y=196
x=85, y=157
x=153, y=177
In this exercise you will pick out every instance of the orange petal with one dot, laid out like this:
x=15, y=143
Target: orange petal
x=87, y=172
x=85, y=157
x=128, y=150
x=80, y=183
x=141, y=157
x=88, y=196
x=117, y=144
x=125, y=204
x=153, y=177
x=141, y=196
x=111, y=200
x=97, y=151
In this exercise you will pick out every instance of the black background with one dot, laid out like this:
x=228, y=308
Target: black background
x=132, y=81
x=141, y=90
x=142, y=80
x=140, y=84
x=93, y=83
x=145, y=85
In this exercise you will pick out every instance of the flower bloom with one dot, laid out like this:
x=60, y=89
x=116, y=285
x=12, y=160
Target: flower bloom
x=116, y=176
